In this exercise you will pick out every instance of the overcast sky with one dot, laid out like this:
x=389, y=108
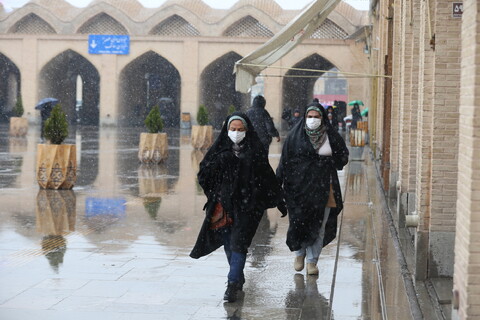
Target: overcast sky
x=218, y=4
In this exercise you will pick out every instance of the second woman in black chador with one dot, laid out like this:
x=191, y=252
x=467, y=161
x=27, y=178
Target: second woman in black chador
x=311, y=156
x=236, y=174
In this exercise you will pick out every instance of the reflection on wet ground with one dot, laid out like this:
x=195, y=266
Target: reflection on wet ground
x=117, y=245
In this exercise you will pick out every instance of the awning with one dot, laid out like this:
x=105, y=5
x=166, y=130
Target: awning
x=282, y=43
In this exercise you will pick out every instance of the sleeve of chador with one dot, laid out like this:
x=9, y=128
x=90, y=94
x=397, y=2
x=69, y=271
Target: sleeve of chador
x=272, y=131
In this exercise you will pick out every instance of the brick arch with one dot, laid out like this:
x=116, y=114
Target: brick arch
x=175, y=25
x=32, y=24
x=103, y=8
x=329, y=30
x=248, y=26
x=102, y=23
x=42, y=14
x=235, y=16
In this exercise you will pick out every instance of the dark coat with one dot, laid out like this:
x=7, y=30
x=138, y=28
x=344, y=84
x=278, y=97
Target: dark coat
x=306, y=178
x=245, y=186
x=262, y=122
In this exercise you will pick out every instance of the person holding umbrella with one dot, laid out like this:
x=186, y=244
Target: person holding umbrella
x=311, y=156
x=356, y=115
x=45, y=106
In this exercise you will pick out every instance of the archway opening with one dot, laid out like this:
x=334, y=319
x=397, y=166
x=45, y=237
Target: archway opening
x=58, y=79
x=150, y=80
x=298, y=85
x=217, y=85
x=9, y=87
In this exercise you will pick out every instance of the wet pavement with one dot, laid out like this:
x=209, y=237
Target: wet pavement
x=117, y=245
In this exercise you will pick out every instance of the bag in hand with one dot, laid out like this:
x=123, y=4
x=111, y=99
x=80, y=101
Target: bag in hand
x=220, y=218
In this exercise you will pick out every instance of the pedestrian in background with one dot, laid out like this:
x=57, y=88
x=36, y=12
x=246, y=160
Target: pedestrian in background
x=332, y=117
x=356, y=116
x=240, y=185
x=311, y=156
x=296, y=118
x=262, y=122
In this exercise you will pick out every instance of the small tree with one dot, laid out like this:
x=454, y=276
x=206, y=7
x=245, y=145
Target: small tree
x=231, y=109
x=154, y=121
x=202, y=116
x=56, y=126
x=18, y=110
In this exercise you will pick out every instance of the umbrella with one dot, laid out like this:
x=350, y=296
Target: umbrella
x=42, y=104
x=364, y=113
x=359, y=102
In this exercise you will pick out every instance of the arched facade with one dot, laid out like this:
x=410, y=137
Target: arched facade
x=217, y=85
x=9, y=86
x=193, y=43
x=58, y=78
x=149, y=80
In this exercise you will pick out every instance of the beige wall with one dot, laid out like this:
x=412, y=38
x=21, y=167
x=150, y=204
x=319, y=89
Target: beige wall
x=190, y=56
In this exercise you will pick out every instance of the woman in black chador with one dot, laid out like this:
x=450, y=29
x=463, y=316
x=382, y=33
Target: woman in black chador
x=238, y=180
x=311, y=156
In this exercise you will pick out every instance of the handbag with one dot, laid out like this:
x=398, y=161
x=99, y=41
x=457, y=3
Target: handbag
x=331, y=200
x=220, y=218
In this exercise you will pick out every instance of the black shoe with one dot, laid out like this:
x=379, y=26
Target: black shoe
x=231, y=292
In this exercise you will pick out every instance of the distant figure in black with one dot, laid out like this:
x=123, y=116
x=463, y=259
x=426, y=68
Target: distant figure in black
x=296, y=117
x=262, y=122
x=356, y=116
x=332, y=117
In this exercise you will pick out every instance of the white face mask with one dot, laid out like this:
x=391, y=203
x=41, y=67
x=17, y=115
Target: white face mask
x=313, y=123
x=236, y=136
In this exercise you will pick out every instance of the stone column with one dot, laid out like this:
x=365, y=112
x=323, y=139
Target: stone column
x=109, y=83
x=190, y=79
x=444, y=141
x=29, y=81
x=467, y=256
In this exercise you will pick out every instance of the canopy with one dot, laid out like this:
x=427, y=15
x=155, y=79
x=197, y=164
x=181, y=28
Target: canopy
x=282, y=43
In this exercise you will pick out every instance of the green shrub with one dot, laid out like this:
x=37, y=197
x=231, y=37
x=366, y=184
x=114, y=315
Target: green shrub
x=231, y=109
x=56, y=126
x=18, y=110
x=154, y=121
x=202, y=116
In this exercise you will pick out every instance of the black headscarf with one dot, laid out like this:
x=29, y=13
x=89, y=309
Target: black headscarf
x=306, y=178
x=245, y=185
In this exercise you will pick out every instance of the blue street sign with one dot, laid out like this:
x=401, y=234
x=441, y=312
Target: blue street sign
x=108, y=44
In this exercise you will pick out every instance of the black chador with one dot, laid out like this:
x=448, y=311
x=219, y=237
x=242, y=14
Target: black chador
x=242, y=180
x=306, y=177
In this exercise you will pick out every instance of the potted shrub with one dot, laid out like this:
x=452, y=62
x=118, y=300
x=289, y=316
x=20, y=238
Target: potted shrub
x=202, y=133
x=154, y=144
x=231, y=109
x=18, y=125
x=56, y=162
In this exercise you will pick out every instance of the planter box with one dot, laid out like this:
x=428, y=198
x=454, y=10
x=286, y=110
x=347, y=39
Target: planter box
x=56, y=166
x=153, y=147
x=202, y=137
x=18, y=126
